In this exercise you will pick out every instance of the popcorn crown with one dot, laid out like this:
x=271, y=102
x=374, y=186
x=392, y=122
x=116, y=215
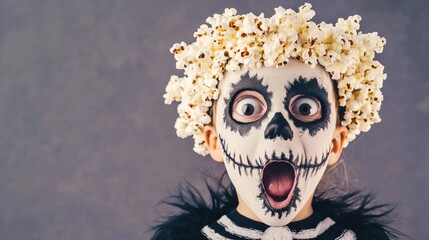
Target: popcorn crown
x=231, y=42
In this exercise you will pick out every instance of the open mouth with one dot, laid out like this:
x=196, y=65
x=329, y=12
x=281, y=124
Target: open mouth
x=279, y=180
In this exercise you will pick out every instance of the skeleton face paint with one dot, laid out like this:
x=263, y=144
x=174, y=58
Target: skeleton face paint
x=275, y=126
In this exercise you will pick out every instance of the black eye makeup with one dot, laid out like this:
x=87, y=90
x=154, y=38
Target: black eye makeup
x=307, y=104
x=248, y=105
x=305, y=108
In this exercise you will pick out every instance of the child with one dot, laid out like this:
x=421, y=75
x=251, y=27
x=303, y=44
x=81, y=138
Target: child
x=276, y=100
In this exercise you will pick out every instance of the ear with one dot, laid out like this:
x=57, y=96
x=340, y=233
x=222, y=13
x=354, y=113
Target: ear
x=212, y=143
x=338, y=141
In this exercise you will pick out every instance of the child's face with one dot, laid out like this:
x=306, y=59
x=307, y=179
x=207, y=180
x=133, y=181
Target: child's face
x=275, y=127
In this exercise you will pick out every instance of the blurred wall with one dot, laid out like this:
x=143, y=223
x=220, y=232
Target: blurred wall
x=88, y=149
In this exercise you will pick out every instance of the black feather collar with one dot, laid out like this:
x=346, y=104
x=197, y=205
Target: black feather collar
x=354, y=211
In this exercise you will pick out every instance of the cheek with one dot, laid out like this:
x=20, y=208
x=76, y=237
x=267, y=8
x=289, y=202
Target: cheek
x=323, y=137
x=321, y=142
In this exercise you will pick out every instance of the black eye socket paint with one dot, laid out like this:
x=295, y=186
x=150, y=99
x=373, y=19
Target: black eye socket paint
x=309, y=88
x=245, y=83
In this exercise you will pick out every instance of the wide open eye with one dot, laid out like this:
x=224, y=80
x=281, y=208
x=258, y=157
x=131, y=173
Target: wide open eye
x=249, y=106
x=305, y=108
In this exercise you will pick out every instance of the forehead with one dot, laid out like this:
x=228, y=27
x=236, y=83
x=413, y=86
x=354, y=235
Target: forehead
x=276, y=79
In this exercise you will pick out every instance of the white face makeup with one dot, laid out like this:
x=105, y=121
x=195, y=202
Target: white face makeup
x=275, y=126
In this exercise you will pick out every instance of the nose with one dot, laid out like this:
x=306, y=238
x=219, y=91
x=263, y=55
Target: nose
x=278, y=127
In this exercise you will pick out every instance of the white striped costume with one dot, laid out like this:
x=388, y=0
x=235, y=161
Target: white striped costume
x=236, y=226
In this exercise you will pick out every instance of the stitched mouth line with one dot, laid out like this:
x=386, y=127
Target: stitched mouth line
x=307, y=162
x=300, y=163
x=246, y=167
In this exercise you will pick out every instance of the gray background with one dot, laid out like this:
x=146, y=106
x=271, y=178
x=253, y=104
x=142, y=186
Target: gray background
x=87, y=147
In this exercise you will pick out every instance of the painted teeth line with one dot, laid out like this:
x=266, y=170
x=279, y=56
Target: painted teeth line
x=300, y=162
x=307, y=165
x=282, y=156
x=247, y=168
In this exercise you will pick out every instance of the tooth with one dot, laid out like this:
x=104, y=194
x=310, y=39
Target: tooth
x=248, y=161
x=307, y=166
